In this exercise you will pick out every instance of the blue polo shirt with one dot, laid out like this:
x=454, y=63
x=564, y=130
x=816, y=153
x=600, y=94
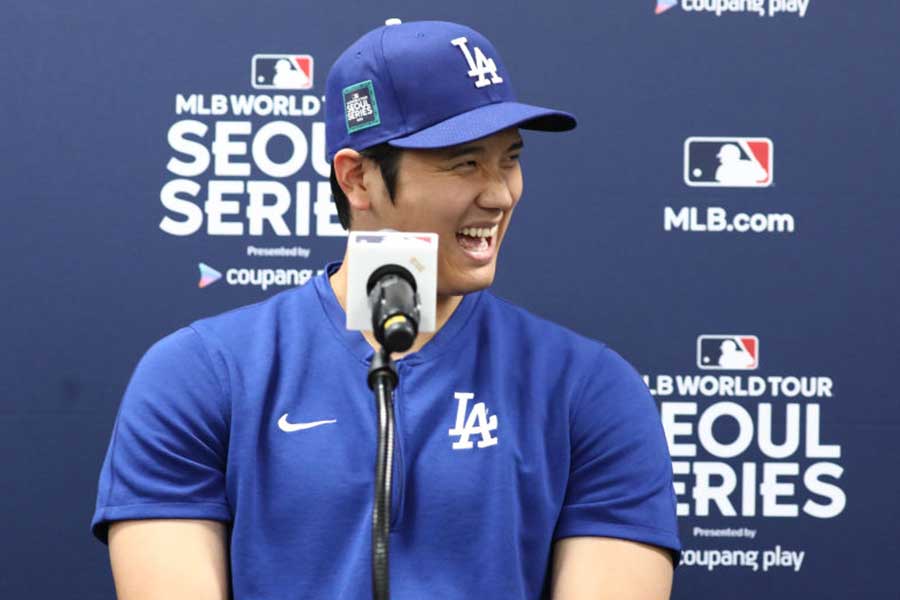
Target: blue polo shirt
x=511, y=433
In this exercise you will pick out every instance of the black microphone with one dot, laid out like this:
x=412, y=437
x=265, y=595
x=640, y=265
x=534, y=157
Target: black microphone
x=394, y=303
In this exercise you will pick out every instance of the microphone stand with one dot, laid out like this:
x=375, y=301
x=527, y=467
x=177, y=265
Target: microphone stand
x=395, y=322
x=382, y=381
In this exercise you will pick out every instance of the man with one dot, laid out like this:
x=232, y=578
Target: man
x=529, y=462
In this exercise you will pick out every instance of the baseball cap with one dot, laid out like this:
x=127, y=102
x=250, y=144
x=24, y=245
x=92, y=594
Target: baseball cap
x=424, y=84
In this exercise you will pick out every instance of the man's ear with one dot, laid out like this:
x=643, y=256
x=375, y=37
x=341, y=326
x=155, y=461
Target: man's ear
x=349, y=170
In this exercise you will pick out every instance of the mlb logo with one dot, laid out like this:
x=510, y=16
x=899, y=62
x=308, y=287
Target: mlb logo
x=370, y=238
x=728, y=162
x=377, y=238
x=282, y=72
x=728, y=352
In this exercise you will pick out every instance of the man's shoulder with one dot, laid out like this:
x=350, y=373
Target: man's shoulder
x=245, y=327
x=272, y=307
x=555, y=350
x=515, y=321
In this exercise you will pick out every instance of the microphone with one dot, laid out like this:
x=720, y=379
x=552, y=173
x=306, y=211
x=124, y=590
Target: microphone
x=392, y=285
x=395, y=307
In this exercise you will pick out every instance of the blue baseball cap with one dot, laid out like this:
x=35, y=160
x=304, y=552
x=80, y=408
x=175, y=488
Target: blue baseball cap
x=424, y=84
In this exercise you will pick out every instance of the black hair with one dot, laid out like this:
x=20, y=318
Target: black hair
x=387, y=158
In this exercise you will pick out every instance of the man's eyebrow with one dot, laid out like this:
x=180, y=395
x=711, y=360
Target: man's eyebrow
x=469, y=149
x=477, y=149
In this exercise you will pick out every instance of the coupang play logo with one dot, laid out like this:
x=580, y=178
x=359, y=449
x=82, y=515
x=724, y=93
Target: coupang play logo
x=762, y=8
x=664, y=5
x=256, y=277
x=208, y=275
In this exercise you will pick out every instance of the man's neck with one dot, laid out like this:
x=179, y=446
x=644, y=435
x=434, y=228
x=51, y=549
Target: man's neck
x=445, y=307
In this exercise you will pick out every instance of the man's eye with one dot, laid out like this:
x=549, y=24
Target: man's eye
x=465, y=164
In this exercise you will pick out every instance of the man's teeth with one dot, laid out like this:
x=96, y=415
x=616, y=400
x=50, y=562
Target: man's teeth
x=483, y=232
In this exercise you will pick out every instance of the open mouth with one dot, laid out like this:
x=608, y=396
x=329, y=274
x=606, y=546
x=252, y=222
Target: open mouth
x=477, y=241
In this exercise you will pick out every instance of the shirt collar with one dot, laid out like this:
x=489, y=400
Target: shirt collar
x=357, y=344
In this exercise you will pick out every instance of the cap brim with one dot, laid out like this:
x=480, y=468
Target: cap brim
x=484, y=121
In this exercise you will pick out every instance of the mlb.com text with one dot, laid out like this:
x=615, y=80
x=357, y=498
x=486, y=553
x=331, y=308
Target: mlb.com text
x=716, y=219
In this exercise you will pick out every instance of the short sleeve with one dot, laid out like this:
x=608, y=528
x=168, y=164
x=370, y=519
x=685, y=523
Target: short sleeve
x=620, y=479
x=167, y=454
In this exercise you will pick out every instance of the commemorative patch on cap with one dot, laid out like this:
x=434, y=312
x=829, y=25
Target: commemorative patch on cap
x=360, y=106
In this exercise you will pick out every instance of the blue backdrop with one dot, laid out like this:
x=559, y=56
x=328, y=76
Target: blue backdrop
x=761, y=308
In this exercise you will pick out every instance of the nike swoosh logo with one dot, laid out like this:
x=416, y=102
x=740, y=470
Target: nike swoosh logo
x=289, y=427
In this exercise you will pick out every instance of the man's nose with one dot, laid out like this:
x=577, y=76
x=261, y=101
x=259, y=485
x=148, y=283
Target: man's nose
x=497, y=192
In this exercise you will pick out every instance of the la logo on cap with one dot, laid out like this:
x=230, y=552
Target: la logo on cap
x=479, y=65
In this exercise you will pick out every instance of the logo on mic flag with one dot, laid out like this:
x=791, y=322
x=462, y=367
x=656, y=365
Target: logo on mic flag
x=378, y=238
x=728, y=352
x=208, y=275
x=728, y=162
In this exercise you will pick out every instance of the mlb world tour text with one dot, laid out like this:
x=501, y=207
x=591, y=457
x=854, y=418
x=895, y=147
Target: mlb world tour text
x=740, y=459
x=222, y=156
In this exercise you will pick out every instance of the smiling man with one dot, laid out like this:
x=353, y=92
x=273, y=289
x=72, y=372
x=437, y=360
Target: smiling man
x=465, y=193
x=529, y=461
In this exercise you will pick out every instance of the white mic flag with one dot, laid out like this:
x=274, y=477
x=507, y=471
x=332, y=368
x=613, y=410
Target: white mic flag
x=369, y=250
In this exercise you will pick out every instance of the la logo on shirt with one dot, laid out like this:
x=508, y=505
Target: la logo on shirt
x=476, y=422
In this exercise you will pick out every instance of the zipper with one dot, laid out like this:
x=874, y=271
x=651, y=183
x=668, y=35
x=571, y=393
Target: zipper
x=398, y=488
